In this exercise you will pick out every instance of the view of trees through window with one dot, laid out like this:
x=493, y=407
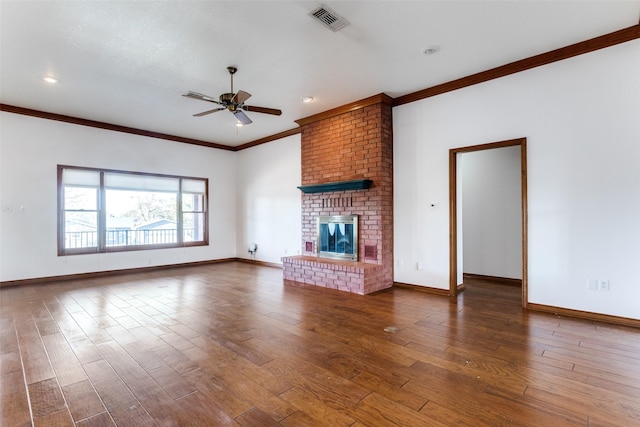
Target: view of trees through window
x=140, y=218
x=103, y=210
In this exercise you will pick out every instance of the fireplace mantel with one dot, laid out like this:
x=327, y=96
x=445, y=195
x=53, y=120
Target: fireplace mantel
x=356, y=184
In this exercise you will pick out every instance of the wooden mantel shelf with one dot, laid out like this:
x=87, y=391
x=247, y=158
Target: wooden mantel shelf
x=357, y=184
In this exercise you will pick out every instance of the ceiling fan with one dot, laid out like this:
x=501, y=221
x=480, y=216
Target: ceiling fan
x=233, y=102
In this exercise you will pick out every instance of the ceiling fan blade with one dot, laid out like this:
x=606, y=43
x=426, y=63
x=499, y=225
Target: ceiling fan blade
x=241, y=97
x=204, y=113
x=265, y=110
x=242, y=117
x=200, y=96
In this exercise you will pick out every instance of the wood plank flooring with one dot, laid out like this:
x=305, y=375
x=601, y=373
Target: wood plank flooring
x=230, y=345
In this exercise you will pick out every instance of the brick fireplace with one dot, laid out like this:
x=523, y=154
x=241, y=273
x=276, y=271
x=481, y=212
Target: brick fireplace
x=353, y=143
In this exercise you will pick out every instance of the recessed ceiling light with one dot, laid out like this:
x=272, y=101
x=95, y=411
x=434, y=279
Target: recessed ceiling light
x=50, y=79
x=307, y=98
x=431, y=50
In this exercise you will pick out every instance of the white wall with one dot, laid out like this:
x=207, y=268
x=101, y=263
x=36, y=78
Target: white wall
x=491, y=212
x=269, y=206
x=30, y=150
x=581, y=118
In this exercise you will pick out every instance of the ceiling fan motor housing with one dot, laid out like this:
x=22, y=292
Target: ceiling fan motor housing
x=227, y=100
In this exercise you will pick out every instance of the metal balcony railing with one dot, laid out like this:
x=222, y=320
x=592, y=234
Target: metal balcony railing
x=89, y=239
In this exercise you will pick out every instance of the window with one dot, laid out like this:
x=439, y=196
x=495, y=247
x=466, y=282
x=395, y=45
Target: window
x=108, y=211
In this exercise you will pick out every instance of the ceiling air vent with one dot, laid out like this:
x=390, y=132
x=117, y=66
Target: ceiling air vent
x=329, y=18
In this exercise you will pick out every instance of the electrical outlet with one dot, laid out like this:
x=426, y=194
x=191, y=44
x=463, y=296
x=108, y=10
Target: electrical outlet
x=603, y=285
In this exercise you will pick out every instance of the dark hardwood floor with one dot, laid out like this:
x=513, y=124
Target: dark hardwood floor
x=229, y=344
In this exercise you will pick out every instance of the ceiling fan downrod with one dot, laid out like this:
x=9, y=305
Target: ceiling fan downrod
x=232, y=71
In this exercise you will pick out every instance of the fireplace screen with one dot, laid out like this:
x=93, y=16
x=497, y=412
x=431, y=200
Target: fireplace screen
x=338, y=237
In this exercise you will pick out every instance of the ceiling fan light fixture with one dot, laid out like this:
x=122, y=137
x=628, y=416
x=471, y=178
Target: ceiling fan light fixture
x=242, y=117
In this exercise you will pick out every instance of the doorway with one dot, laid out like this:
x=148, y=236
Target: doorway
x=455, y=212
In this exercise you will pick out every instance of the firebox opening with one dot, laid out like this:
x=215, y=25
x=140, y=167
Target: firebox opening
x=338, y=237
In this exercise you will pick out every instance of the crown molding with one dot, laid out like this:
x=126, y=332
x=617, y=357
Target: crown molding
x=380, y=98
x=109, y=126
x=597, y=43
x=269, y=138
x=580, y=48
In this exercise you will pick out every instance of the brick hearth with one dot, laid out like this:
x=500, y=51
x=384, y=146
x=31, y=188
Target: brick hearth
x=356, y=142
x=356, y=277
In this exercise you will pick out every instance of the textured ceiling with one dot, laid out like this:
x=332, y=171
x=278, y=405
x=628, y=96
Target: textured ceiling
x=127, y=63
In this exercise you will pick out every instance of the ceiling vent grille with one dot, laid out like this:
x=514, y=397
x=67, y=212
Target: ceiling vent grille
x=329, y=18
